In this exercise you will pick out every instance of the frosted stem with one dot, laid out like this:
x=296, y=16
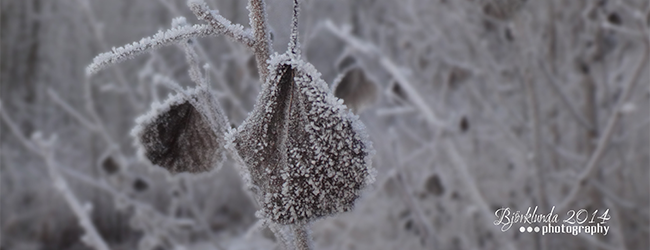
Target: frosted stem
x=258, y=22
x=302, y=236
x=293, y=41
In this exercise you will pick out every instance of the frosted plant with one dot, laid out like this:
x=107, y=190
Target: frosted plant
x=304, y=155
x=307, y=155
x=183, y=134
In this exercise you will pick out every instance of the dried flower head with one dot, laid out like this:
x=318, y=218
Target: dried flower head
x=305, y=154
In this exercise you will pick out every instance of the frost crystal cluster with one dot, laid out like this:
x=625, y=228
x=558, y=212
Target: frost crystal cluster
x=305, y=154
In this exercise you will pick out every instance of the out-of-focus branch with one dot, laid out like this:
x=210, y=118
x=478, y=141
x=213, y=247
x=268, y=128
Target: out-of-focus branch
x=564, y=98
x=70, y=110
x=44, y=149
x=391, y=67
x=470, y=184
x=603, y=142
x=16, y=131
x=92, y=237
x=98, y=32
x=426, y=229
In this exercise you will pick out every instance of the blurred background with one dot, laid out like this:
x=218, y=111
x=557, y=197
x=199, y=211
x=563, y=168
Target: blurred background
x=472, y=105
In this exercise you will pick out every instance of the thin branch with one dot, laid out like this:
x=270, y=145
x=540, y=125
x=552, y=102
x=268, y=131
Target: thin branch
x=425, y=228
x=302, y=236
x=258, y=20
x=92, y=237
x=391, y=67
x=74, y=113
x=16, y=131
x=280, y=234
x=97, y=30
x=604, y=140
x=218, y=22
x=539, y=177
x=294, y=47
x=44, y=149
x=160, y=39
x=565, y=98
x=470, y=184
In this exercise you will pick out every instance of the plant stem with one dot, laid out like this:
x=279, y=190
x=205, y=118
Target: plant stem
x=262, y=48
x=302, y=236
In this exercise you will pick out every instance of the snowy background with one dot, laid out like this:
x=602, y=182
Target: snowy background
x=472, y=105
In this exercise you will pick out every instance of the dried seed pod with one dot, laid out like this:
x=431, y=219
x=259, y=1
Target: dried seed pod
x=183, y=134
x=305, y=154
x=356, y=89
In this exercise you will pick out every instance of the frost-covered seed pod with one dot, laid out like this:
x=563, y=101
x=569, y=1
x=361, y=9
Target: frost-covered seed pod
x=316, y=153
x=183, y=134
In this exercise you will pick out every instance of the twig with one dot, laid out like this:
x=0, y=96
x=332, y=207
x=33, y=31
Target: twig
x=44, y=149
x=474, y=191
x=280, y=234
x=160, y=39
x=293, y=40
x=603, y=142
x=218, y=22
x=16, y=131
x=539, y=176
x=100, y=39
x=74, y=113
x=564, y=98
x=390, y=66
x=92, y=237
x=262, y=47
x=302, y=236
x=425, y=228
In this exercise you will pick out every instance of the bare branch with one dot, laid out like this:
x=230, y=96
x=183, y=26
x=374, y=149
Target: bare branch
x=218, y=22
x=604, y=140
x=160, y=39
x=470, y=183
x=390, y=66
x=43, y=149
x=565, y=98
x=74, y=113
x=258, y=21
x=92, y=237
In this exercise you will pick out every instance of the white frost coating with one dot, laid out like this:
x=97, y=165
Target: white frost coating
x=307, y=153
x=218, y=22
x=179, y=32
x=160, y=39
